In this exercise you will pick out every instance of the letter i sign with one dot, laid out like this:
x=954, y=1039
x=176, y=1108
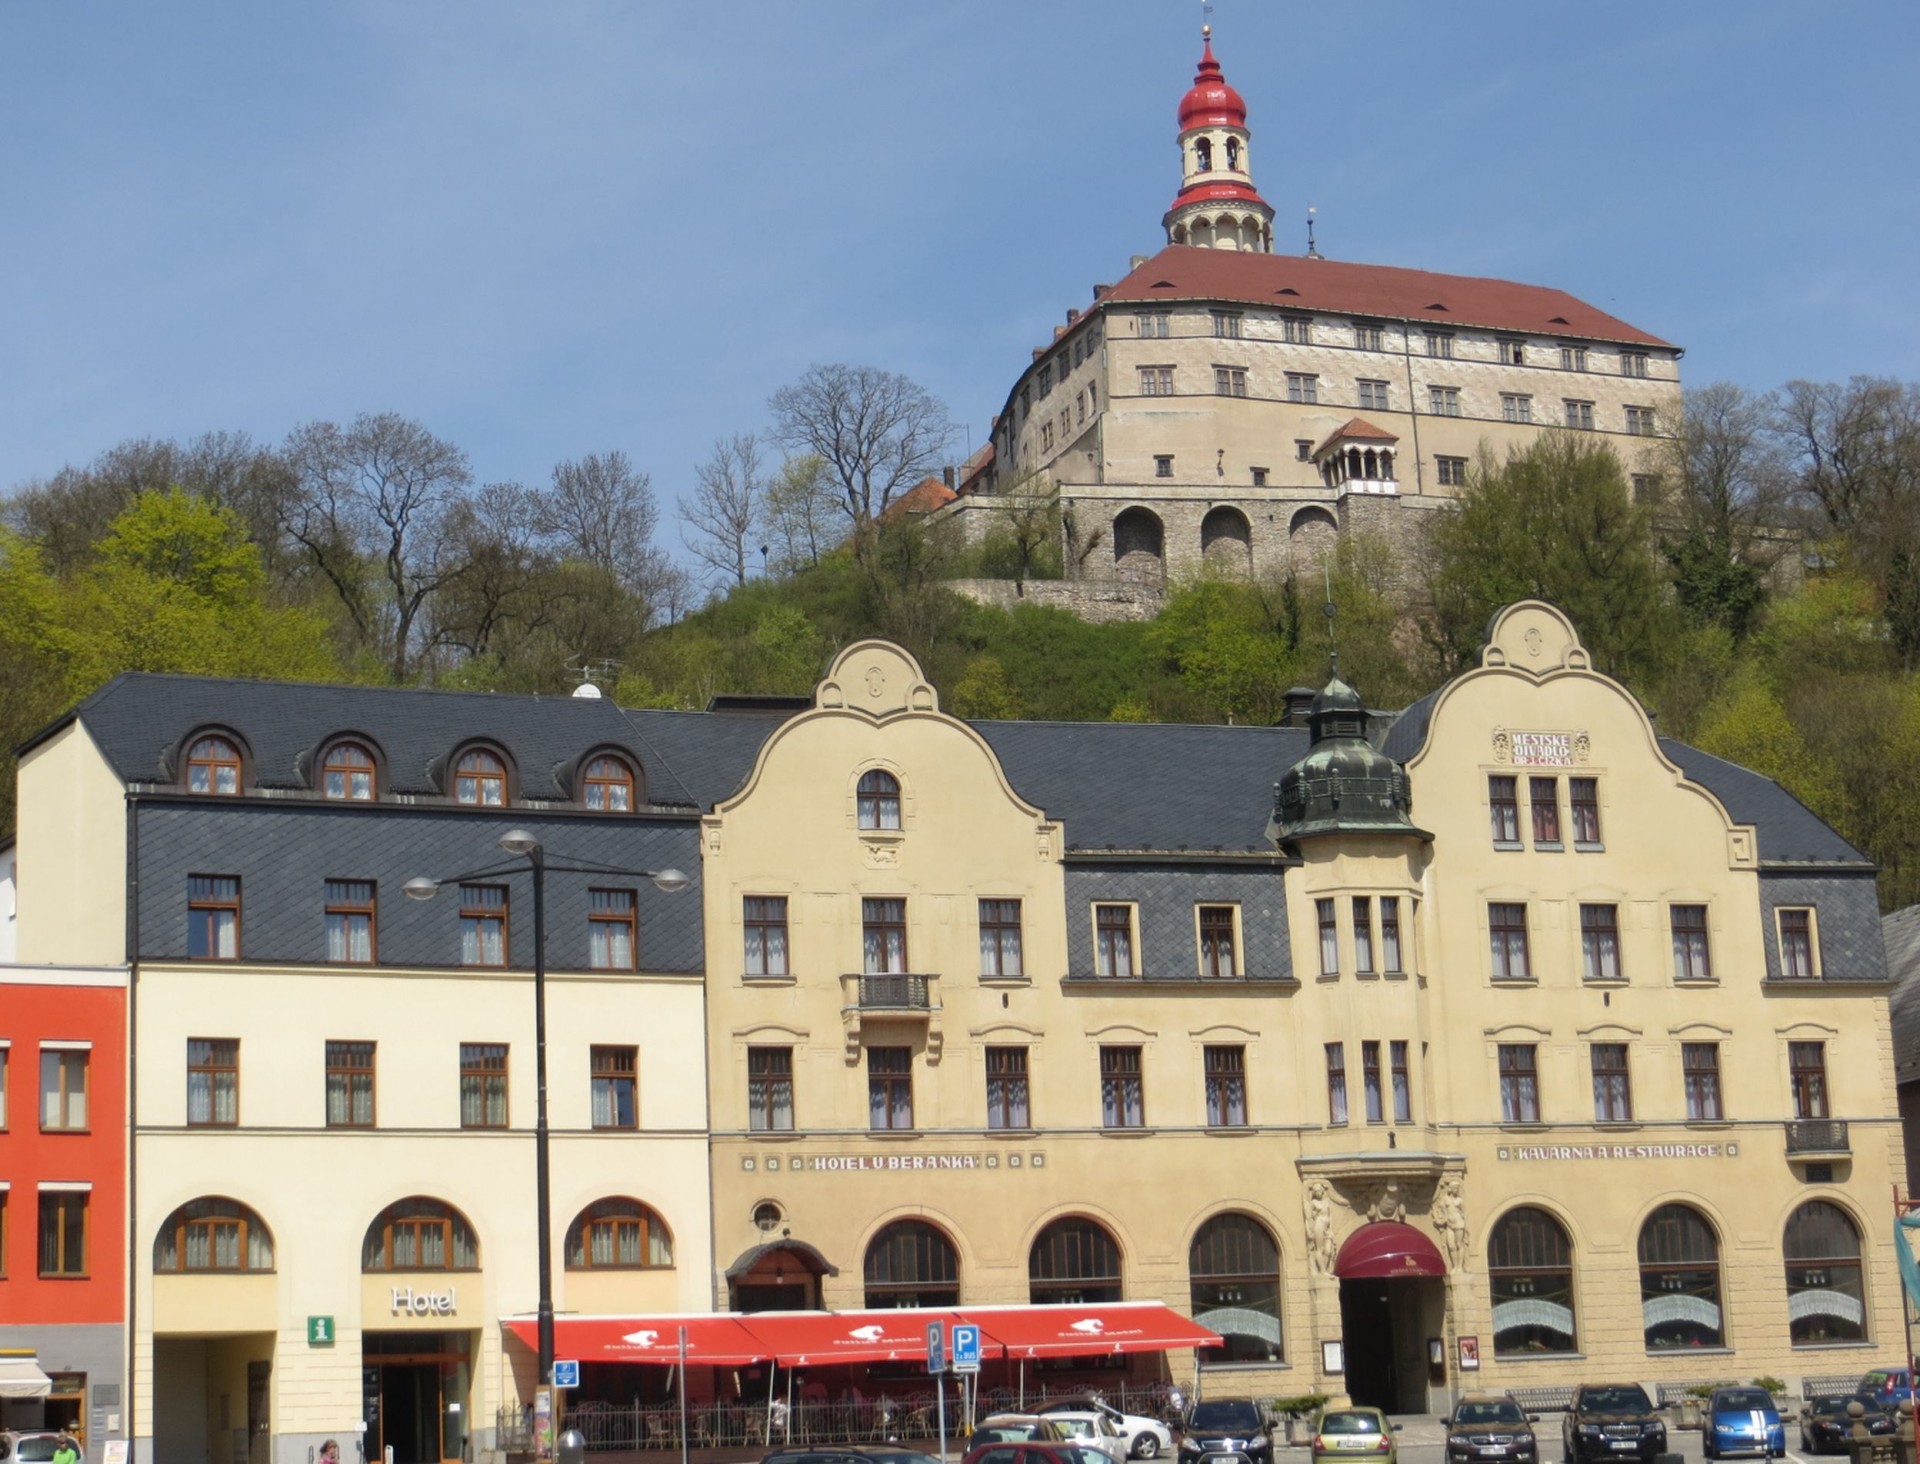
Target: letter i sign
x=319, y=1331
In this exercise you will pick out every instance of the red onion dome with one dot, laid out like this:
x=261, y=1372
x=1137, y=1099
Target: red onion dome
x=1211, y=102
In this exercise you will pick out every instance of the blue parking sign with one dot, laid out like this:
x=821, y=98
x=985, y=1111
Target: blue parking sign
x=965, y=1345
x=566, y=1374
x=936, y=1348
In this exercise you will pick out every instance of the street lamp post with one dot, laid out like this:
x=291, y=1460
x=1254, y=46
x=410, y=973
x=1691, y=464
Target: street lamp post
x=524, y=846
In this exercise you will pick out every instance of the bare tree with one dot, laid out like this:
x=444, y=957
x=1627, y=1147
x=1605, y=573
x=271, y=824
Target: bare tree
x=372, y=513
x=603, y=511
x=1726, y=478
x=718, y=520
x=800, y=505
x=1856, y=452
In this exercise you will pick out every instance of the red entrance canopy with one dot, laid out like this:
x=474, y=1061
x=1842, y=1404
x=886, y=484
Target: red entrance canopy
x=1388, y=1248
x=712, y=1341
x=820, y=1339
x=1084, y=1331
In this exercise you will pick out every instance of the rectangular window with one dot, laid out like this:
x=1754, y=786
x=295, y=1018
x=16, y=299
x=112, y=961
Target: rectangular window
x=616, y=1087
x=1443, y=401
x=1402, y=1082
x=1366, y=337
x=1226, y=1087
x=1700, y=1071
x=1690, y=955
x=1363, y=935
x=63, y=1233
x=1122, y=1100
x=1226, y=323
x=1296, y=330
x=1217, y=955
x=1080, y=409
x=1336, y=1083
x=1000, y=938
x=1543, y=797
x=1633, y=363
x=770, y=1089
x=1516, y=407
x=213, y=917
x=63, y=1090
x=611, y=930
x=883, y=937
x=1440, y=343
x=350, y=915
x=1163, y=465
x=1573, y=358
x=1390, y=935
x=1303, y=449
x=1046, y=437
x=1612, y=1098
x=1007, y=1088
x=1156, y=381
x=889, y=1087
x=1579, y=414
x=1156, y=324
x=1230, y=381
x=1259, y=477
x=1600, y=942
x=1519, y=1083
x=1451, y=471
x=1113, y=940
x=1807, y=1070
x=1066, y=424
x=1511, y=353
x=1796, y=944
x=483, y=925
x=1646, y=487
x=483, y=1085
x=213, y=1082
x=1640, y=421
x=1507, y=926
x=1302, y=387
x=1583, y=802
x=1373, y=395
x=1503, y=800
x=765, y=919
x=1045, y=379
x=1370, y=1081
x=1329, y=937
x=349, y=1085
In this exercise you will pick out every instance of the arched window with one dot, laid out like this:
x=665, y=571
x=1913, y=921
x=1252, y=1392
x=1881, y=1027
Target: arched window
x=213, y=766
x=607, y=785
x=480, y=778
x=1825, y=1299
x=1680, y=1280
x=879, y=800
x=348, y=773
x=213, y=1234
x=1530, y=1265
x=1234, y=1267
x=618, y=1235
x=419, y=1234
x=1073, y=1260
x=911, y=1263
x=1203, y=154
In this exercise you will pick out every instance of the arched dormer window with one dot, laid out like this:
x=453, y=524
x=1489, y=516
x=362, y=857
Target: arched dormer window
x=419, y=1234
x=348, y=773
x=618, y=1235
x=878, y=800
x=213, y=766
x=480, y=779
x=213, y=1234
x=607, y=785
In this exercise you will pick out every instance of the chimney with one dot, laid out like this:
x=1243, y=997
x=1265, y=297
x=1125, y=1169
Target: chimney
x=946, y=476
x=1058, y=331
x=1299, y=702
x=1038, y=352
x=1072, y=315
x=1100, y=292
x=1136, y=261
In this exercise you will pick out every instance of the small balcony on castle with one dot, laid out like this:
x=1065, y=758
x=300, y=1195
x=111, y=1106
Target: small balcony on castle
x=1359, y=458
x=1817, y=1138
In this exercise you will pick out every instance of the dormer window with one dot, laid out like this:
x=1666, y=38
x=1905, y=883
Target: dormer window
x=348, y=773
x=213, y=766
x=480, y=779
x=607, y=785
x=879, y=800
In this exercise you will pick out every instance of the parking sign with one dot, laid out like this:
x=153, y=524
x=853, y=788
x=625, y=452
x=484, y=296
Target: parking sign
x=566, y=1374
x=936, y=1347
x=966, y=1347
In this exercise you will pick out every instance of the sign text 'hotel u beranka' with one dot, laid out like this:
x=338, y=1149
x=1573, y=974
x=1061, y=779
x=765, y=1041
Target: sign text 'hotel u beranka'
x=894, y=1163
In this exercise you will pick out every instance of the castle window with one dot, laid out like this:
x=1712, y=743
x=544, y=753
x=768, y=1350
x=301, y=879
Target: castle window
x=1259, y=477
x=1633, y=363
x=1516, y=407
x=1513, y=353
x=1366, y=337
x=1226, y=323
x=1303, y=449
x=1230, y=381
x=1443, y=401
x=1451, y=472
x=1156, y=381
x=1573, y=358
x=1156, y=324
x=1440, y=344
x=1163, y=465
x=1640, y=421
x=1373, y=395
x=1302, y=387
x=1297, y=330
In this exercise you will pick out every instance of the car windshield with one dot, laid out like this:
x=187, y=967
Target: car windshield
x=1741, y=1400
x=1501, y=1412
x=1350, y=1423
x=1005, y=1433
x=36, y=1451
x=1628, y=1399
x=1076, y=1455
x=1828, y=1403
x=1225, y=1413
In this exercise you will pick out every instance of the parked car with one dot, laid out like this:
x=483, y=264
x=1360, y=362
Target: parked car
x=1344, y=1434
x=34, y=1447
x=1742, y=1421
x=1226, y=1427
x=1491, y=1426
x=849, y=1454
x=1825, y=1424
x=1096, y=1430
x=1015, y=1428
x=1147, y=1438
x=1035, y=1453
x=1611, y=1421
x=1886, y=1387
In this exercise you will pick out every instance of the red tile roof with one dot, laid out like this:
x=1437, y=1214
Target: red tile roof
x=1185, y=272
x=1358, y=429
x=923, y=497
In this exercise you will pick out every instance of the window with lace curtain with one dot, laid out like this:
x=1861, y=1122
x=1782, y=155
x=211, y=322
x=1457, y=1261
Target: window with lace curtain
x=618, y=1235
x=213, y=1082
x=213, y=1234
x=420, y=1234
x=483, y=1085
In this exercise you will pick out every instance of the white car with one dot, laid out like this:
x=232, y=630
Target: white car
x=1144, y=1438
x=1094, y=1429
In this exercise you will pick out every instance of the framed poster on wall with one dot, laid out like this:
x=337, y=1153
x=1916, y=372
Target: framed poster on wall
x=1333, y=1358
x=1469, y=1354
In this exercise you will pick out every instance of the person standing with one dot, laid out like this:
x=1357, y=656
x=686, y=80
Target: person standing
x=67, y=1450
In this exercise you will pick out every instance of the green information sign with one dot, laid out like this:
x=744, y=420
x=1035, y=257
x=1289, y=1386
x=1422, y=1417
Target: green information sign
x=319, y=1331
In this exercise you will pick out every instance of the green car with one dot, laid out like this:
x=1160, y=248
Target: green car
x=1348, y=1434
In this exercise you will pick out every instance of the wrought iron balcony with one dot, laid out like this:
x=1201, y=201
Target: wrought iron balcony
x=1810, y=1137
x=895, y=993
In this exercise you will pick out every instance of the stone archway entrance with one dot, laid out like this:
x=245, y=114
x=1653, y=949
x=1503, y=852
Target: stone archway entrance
x=1392, y=1299
x=782, y=1275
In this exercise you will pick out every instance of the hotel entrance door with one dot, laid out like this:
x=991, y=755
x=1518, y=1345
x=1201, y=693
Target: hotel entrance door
x=416, y=1391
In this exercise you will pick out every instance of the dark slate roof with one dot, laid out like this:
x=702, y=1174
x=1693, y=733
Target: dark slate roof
x=140, y=718
x=712, y=753
x=1407, y=733
x=1149, y=786
x=1901, y=931
x=1789, y=831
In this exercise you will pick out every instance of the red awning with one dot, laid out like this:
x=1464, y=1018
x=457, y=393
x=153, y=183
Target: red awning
x=712, y=1341
x=1388, y=1248
x=820, y=1339
x=1087, y=1331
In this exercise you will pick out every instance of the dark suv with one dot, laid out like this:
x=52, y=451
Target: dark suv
x=1486, y=1426
x=1217, y=1430
x=1612, y=1421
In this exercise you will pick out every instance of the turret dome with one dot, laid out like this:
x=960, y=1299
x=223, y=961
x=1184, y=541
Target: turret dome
x=1344, y=784
x=1210, y=102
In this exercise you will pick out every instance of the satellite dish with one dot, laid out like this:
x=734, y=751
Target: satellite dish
x=586, y=690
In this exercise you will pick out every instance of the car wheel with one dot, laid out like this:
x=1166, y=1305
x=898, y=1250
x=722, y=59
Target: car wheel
x=1147, y=1446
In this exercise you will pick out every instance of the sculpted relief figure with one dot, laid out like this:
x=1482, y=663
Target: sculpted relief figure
x=1450, y=1220
x=1320, y=1228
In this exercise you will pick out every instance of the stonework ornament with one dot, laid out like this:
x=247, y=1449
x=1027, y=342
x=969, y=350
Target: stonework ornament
x=1450, y=1220
x=1388, y=1203
x=876, y=681
x=1502, y=745
x=883, y=856
x=1320, y=1228
x=1582, y=746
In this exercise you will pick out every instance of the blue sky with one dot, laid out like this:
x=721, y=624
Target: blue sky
x=547, y=229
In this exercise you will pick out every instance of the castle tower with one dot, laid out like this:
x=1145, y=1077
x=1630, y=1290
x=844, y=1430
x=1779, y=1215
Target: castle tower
x=1217, y=206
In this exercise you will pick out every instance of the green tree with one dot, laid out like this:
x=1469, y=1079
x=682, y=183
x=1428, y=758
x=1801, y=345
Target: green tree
x=984, y=693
